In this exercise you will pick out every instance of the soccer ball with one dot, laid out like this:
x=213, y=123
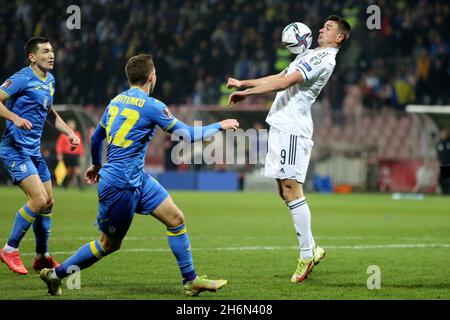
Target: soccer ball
x=296, y=37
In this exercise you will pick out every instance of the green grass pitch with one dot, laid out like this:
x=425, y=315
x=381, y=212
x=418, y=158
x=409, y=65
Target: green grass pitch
x=249, y=239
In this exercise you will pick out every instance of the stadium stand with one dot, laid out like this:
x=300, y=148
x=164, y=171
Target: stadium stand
x=197, y=44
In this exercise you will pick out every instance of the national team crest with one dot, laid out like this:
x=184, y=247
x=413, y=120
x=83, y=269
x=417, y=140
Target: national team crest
x=23, y=167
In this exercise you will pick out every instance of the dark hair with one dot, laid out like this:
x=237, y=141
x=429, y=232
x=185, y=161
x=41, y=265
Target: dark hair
x=138, y=68
x=343, y=25
x=32, y=44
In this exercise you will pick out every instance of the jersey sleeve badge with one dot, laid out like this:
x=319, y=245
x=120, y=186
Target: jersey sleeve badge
x=167, y=113
x=6, y=84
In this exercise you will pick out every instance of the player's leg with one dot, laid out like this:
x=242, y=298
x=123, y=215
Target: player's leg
x=173, y=218
x=156, y=201
x=42, y=223
x=169, y=214
x=116, y=210
x=301, y=217
x=24, y=173
x=85, y=257
x=293, y=197
x=287, y=161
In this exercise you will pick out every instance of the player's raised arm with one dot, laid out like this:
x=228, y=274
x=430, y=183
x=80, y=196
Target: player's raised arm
x=194, y=133
x=55, y=120
x=250, y=83
x=166, y=121
x=273, y=85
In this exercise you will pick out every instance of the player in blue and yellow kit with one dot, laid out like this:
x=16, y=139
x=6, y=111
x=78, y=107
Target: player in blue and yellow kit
x=28, y=95
x=128, y=124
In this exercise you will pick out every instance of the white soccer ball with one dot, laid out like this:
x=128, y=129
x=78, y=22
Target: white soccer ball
x=296, y=37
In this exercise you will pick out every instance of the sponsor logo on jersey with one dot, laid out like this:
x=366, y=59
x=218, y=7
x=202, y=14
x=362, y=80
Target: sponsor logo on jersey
x=7, y=84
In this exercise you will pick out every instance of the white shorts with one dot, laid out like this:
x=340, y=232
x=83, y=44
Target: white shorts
x=287, y=156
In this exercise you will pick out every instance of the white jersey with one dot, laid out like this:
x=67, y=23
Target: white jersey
x=291, y=109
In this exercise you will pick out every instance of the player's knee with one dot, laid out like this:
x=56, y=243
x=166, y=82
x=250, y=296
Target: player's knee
x=49, y=204
x=178, y=219
x=286, y=193
x=39, y=203
x=286, y=196
x=289, y=194
x=109, y=246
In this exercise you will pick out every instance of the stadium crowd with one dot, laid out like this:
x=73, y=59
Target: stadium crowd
x=197, y=44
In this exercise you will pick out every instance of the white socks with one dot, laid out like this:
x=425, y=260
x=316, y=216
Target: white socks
x=301, y=216
x=9, y=249
x=40, y=255
x=53, y=274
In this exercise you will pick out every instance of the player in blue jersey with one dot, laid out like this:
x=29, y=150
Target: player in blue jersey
x=28, y=95
x=128, y=124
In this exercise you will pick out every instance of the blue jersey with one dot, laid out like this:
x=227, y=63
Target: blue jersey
x=130, y=121
x=30, y=97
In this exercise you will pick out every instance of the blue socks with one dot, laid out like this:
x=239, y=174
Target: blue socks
x=92, y=252
x=41, y=228
x=24, y=218
x=181, y=248
x=86, y=256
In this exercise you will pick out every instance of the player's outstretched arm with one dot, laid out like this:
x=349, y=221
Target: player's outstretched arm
x=250, y=83
x=55, y=120
x=268, y=87
x=91, y=174
x=194, y=133
x=11, y=116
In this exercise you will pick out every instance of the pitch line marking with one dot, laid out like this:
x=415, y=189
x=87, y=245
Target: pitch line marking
x=269, y=248
x=135, y=238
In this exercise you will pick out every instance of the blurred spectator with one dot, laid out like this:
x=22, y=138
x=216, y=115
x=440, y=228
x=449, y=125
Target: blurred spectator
x=242, y=66
x=443, y=151
x=195, y=43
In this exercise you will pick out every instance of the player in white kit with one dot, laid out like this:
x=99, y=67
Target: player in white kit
x=291, y=128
